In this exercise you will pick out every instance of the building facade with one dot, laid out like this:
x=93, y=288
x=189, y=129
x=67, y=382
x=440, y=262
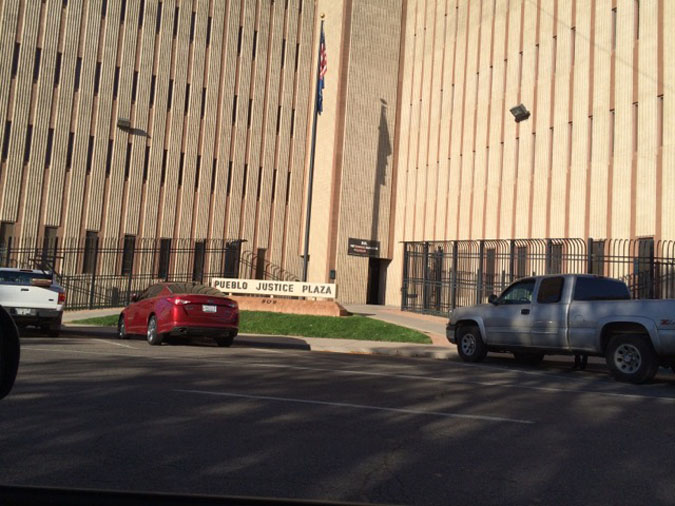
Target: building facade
x=190, y=120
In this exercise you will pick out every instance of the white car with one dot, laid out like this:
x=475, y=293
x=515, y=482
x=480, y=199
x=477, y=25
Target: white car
x=32, y=297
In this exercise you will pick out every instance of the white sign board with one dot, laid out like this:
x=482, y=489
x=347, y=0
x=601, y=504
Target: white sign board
x=268, y=287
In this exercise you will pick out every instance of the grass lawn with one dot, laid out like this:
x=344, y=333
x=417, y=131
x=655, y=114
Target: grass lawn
x=346, y=327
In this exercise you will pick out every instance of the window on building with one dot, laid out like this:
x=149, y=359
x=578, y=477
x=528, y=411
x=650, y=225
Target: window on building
x=164, y=256
x=180, y=169
x=612, y=123
x=250, y=109
x=659, y=120
x=187, y=98
x=104, y=8
x=29, y=139
x=255, y=42
x=6, y=238
x=78, y=70
x=90, y=153
x=239, y=42
x=5, y=139
x=15, y=59
x=140, y=14
x=36, y=64
x=198, y=265
x=614, y=29
x=260, y=264
x=158, y=22
x=97, y=77
x=243, y=187
x=153, y=83
x=175, y=23
x=169, y=94
x=116, y=82
x=146, y=161
x=521, y=261
x=234, y=110
x=283, y=53
x=134, y=86
x=128, y=254
x=123, y=11
x=201, y=114
x=49, y=247
x=163, y=177
x=69, y=153
x=108, y=159
x=127, y=162
x=636, y=19
x=48, y=150
x=57, y=69
x=208, y=31
x=90, y=253
x=213, y=175
x=192, y=27
x=229, y=176
x=197, y=170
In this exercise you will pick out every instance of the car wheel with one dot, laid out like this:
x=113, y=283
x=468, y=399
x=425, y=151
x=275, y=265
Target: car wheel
x=528, y=357
x=122, y=329
x=631, y=358
x=54, y=331
x=225, y=341
x=154, y=337
x=470, y=345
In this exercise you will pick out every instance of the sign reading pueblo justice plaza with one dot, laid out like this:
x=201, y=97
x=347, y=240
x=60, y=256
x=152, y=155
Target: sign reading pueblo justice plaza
x=268, y=287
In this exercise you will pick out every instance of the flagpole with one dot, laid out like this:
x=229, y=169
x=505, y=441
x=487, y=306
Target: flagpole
x=308, y=214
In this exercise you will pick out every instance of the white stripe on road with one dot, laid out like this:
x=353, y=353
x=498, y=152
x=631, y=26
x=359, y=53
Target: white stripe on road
x=116, y=344
x=360, y=406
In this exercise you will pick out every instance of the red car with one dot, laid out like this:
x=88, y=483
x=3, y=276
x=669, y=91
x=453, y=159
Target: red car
x=180, y=309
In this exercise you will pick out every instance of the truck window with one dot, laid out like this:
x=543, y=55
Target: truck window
x=519, y=293
x=22, y=277
x=600, y=289
x=550, y=290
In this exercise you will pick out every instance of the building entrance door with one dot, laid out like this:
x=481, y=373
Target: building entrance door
x=377, y=268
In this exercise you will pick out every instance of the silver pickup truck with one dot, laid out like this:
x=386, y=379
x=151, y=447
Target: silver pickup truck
x=570, y=314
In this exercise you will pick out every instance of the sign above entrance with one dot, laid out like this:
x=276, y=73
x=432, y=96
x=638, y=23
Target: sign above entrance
x=268, y=287
x=363, y=247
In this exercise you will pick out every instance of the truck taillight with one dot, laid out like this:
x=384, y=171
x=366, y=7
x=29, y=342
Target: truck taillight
x=62, y=297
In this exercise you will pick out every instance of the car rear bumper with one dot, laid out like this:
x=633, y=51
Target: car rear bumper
x=35, y=316
x=191, y=331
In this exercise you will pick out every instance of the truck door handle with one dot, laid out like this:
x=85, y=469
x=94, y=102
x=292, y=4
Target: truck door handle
x=24, y=289
x=524, y=311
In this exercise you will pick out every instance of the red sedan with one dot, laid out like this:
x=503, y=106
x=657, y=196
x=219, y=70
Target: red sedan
x=180, y=309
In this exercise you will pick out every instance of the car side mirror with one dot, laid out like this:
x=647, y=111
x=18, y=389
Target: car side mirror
x=134, y=297
x=9, y=352
x=492, y=299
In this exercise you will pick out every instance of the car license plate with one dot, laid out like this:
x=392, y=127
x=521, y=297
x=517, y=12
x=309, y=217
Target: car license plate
x=23, y=311
x=209, y=309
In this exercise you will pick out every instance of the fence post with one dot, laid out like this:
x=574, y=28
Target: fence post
x=425, y=277
x=549, y=251
x=404, y=285
x=589, y=255
x=479, y=277
x=453, y=281
x=129, y=284
x=512, y=260
x=93, y=276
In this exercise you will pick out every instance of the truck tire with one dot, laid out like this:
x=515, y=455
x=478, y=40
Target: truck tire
x=154, y=337
x=528, y=357
x=470, y=345
x=631, y=358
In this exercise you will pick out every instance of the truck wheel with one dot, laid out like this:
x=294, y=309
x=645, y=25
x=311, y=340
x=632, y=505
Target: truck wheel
x=154, y=338
x=528, y=357
x=470, y=345
x=631, y=358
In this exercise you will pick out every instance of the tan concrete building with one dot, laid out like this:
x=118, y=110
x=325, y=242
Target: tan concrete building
x=415, y=142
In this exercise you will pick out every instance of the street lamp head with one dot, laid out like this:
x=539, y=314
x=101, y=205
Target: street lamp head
x=520, y=113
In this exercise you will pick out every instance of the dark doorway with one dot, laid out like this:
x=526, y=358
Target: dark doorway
x=377, y=269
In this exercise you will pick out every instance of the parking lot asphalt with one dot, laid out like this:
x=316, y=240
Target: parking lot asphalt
x=99, y=413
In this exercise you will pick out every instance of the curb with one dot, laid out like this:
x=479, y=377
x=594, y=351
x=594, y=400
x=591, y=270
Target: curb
x=411, y=350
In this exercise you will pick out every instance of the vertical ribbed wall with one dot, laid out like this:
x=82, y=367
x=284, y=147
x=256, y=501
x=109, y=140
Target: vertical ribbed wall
x=596, y=157
x=191, y=165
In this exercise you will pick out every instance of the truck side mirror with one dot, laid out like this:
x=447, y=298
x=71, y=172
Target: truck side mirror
x=492, y=299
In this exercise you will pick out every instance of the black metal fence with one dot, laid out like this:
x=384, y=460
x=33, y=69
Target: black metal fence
x=439, y=276
x=98, y=273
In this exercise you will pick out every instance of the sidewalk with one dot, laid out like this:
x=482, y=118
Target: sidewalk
x=430, y=325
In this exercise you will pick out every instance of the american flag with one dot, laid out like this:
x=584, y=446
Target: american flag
x=322, y=71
